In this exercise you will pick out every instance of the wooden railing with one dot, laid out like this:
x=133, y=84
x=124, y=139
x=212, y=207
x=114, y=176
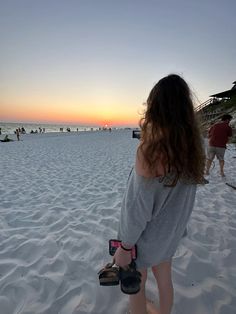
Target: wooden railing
x=204, y=104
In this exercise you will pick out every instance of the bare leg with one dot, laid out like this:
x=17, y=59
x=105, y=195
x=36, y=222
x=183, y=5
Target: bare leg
x=151, y=309
x=208, y=166
x=162, y=273
x=138, y=301
x=221, y=162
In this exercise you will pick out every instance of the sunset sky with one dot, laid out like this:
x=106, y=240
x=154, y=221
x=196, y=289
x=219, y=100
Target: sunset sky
x=94, y=62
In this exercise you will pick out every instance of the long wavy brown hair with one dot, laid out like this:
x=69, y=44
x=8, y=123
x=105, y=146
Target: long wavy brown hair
x=170, y=132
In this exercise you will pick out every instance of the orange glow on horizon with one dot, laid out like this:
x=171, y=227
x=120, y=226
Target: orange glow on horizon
x=80, y=116
x=95, y=106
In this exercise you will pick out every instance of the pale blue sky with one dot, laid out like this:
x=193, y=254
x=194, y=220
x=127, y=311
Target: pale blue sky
x=82, y=51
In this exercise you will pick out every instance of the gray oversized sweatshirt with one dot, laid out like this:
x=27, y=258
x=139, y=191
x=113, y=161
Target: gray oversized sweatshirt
x=154, y=217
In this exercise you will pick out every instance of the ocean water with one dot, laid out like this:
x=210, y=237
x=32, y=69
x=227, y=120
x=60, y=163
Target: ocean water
x=9, y=128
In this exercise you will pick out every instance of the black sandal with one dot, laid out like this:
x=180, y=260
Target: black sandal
x=109, y=275
x=130, y=279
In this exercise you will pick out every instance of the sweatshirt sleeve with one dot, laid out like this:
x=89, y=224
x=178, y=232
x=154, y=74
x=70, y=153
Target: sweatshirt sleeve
x=136, y=210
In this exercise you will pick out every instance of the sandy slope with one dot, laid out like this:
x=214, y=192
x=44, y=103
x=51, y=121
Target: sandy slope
x=60, y=197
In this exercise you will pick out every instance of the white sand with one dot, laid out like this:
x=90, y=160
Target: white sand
x=60, y=196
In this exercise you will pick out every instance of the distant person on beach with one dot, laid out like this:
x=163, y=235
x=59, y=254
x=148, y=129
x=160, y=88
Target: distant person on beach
x=218, y=136
x=7, y=139
x=17, y=134
x=161, y=188
x=0, y=131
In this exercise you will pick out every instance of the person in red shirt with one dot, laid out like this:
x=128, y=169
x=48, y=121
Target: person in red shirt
x=218, y=136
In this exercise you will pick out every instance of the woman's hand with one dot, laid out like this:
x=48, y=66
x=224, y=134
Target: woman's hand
x=122, y=258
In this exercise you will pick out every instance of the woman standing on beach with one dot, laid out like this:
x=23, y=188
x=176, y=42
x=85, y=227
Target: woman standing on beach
x=161, y=190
